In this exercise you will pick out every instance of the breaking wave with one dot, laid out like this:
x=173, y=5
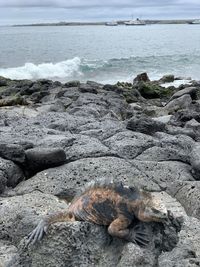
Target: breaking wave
x=60, y=70
x=108, y=71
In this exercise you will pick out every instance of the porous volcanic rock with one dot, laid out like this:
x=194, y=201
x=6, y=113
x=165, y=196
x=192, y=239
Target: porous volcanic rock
x=39, y=158
x=195, y=160
x=167, y=78
x=75, y=175
x=14, y=152
x=66, y=135
x=142, y=77
x=187, y=251
x=192, y=91
x=145, y=125
x=10, y=174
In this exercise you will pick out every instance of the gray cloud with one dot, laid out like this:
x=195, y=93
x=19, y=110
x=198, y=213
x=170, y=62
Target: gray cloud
x=93, y=3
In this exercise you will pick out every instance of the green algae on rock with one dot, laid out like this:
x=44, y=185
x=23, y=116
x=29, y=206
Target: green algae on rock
x=153, y=90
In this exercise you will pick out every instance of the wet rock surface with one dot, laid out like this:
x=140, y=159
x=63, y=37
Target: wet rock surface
x=57, y=137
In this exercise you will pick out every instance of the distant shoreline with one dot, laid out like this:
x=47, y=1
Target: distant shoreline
x=120, y=22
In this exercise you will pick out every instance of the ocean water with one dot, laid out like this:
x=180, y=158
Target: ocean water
x=99, y=53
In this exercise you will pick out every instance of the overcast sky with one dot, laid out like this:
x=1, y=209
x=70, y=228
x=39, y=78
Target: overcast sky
x=33, y=11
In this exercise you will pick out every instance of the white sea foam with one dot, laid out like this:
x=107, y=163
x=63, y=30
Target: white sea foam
x=61, y=70
x=177, y=83
x=100, y=70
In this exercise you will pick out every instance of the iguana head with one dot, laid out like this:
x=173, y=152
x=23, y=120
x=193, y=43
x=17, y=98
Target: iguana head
x=152, y=208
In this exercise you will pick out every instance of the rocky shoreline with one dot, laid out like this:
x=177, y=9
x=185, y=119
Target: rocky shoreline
x=102, y=23
x=56, y=137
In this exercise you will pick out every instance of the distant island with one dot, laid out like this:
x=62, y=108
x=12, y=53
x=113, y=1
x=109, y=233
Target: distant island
x=120, y=22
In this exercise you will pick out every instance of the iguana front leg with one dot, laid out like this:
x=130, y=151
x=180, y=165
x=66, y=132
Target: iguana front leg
x=119, y=228
x=42, y=227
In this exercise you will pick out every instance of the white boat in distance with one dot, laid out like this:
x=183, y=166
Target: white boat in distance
x=197, y=21
x=112, y=23
x=136, y=22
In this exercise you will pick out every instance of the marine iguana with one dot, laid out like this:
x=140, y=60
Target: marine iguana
x=111, y=204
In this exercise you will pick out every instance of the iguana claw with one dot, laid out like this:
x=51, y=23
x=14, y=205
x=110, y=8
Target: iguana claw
x=37, y=233
x=139, y=235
